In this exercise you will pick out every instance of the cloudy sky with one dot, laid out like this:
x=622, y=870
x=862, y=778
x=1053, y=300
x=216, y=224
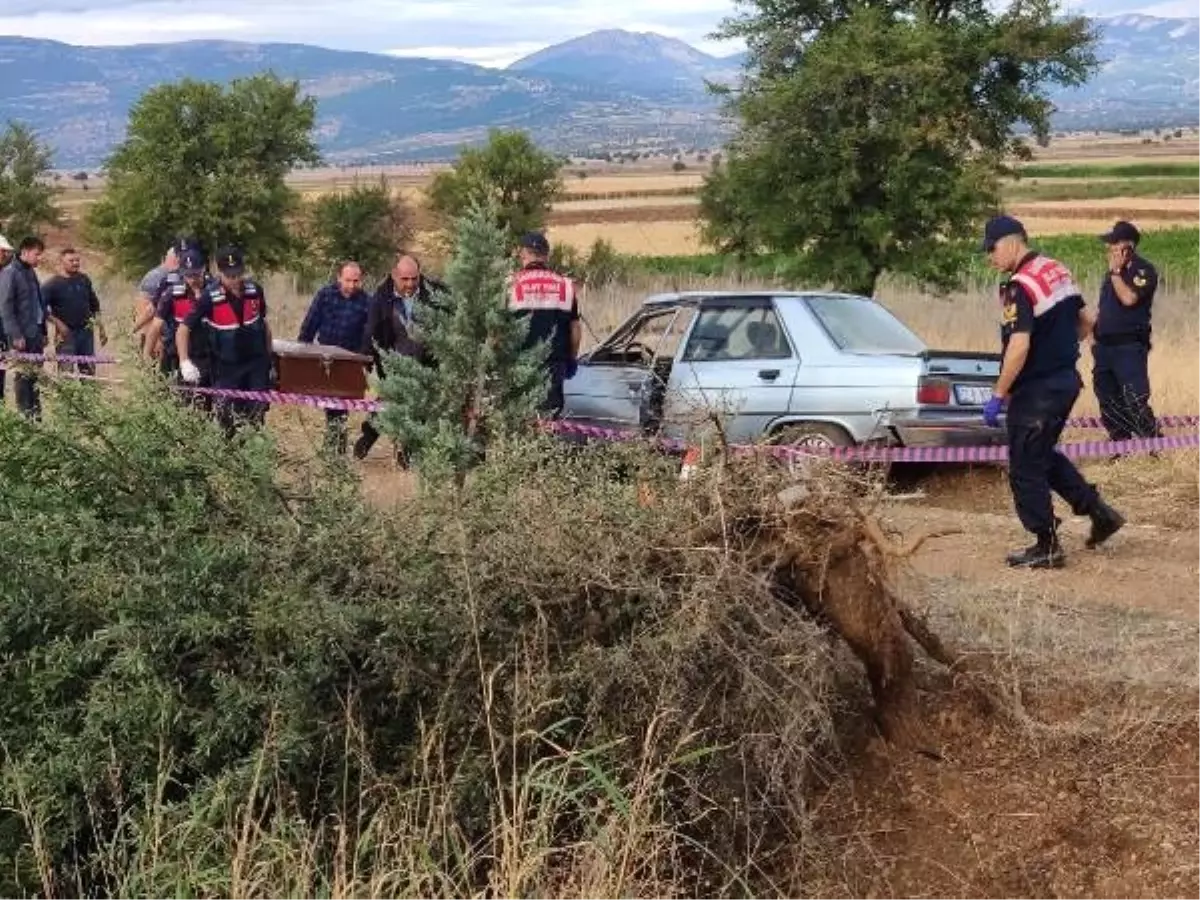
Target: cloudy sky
x=488, y=32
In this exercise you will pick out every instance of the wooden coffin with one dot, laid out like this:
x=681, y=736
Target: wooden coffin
x=320, y=370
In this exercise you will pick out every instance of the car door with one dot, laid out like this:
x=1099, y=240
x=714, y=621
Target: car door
x=621, y=383
x=738, y=361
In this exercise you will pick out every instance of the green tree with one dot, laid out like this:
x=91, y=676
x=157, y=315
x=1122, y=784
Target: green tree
x=509, y=172
x=26, y=194
x=486, y=384
x=206, y=160
x=873, y=135
x=368, y=223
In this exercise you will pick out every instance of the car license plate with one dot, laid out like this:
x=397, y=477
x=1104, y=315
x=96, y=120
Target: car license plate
x=972, y=395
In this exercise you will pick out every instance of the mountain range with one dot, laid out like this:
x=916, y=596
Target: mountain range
x=606, y=90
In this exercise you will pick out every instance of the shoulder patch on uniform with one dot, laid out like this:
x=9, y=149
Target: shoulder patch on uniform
x=217, y=295
x=1139, y=280
x=178, y=290
x=1010, y=313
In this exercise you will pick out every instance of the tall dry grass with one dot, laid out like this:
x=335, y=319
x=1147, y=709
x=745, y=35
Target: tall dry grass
x=966, y=320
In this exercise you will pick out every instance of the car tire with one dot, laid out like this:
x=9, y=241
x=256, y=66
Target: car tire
x=818, y=435
x=822, y=435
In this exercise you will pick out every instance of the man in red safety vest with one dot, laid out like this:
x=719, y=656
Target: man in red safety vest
x=550, y=302
x=233, y=315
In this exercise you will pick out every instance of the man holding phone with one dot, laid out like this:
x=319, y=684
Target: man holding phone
x=1121, y=350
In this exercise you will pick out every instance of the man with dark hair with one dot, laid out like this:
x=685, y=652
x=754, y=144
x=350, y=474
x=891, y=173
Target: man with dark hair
x=337, y=317
x=23, y=316
x=1042, y=318
x=549, y=300
x=74, y=310
x=1121, y=348
x=174, y=306
x=233, y=315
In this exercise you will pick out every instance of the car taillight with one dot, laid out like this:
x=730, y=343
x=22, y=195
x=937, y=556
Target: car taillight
x=933, y=392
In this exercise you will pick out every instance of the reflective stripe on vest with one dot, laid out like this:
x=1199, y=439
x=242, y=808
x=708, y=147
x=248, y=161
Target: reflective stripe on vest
x=540, y=289
x=181, y=302
x=225, y=319
x=1047, y=282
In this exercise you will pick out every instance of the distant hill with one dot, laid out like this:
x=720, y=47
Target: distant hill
x=1149, y=76
x=371, y=106
x=648, y=65
x=600, y=91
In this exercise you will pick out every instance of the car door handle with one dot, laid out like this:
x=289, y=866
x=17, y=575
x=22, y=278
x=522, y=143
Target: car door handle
x=768, y=374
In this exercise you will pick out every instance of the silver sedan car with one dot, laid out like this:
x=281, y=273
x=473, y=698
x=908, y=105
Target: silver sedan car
x=808, y=369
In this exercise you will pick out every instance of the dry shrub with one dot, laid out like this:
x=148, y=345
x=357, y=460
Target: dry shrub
x=575, y=675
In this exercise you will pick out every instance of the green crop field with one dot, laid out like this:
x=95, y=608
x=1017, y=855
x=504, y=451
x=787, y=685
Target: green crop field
x=1122, y=170
x=1100, y=189
x=1175, y=251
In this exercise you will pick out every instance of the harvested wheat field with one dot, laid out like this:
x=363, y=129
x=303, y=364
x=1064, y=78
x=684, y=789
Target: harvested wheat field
x=662, y=179
x=654, y=238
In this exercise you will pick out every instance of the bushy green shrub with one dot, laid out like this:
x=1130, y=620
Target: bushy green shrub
x=225, y=674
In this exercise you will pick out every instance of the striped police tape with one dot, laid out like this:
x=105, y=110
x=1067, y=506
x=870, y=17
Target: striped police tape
x=963, y=454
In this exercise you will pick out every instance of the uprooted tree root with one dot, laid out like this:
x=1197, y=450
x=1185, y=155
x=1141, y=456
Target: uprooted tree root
x=823, y=550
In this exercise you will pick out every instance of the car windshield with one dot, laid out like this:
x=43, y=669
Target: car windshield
x=860, y=325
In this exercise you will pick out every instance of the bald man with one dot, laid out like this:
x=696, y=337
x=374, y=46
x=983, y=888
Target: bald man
x=391, y=326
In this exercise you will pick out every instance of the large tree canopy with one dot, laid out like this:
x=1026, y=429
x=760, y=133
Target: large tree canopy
x=873, y=135
x=206, y=160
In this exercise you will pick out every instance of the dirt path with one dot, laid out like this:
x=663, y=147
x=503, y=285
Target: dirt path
x=1096, y=793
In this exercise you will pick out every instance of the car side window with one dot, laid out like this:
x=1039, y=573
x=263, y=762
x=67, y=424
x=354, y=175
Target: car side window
x=737, y=332
x=655, y=336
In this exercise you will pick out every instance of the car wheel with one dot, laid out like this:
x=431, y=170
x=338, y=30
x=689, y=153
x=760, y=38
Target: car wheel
x=822, y=436
x=813, y=435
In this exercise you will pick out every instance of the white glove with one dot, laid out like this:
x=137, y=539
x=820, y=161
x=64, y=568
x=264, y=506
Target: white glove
x=190, y=373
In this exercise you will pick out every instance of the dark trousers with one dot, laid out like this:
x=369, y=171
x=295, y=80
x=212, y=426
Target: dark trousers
x=250, y=375
x=25, y=386
x=1121, y=379
x=79, y=342
x=1037, y=414
x=335, y=430
x=553, y=405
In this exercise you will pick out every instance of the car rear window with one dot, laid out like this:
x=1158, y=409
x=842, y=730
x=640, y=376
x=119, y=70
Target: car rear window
x=860, y=325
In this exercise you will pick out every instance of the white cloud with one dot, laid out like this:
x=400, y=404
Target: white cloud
x=494, y=56
x=486, y=32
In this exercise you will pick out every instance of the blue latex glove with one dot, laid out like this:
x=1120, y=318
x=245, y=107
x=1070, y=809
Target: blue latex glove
x=991, y=411
x=572, y=368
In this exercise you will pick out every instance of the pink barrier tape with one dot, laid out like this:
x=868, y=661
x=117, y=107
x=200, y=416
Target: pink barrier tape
x=62, y=358
x=966, y=454
x=342, y=403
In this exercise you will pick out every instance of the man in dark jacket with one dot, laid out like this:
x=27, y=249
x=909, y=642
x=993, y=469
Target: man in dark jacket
x=391, y=326
x=23, y=315
x=74, y=310
x=6, y=256
x=338, y=318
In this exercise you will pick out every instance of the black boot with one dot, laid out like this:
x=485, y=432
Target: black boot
x=1106, y=522
x=366, y=441
x=1047, y=553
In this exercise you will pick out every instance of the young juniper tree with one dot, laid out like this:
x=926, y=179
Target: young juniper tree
x=485, y=384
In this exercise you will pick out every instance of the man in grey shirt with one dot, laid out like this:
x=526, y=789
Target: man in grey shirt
x=149, y=289
x=23, y=314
